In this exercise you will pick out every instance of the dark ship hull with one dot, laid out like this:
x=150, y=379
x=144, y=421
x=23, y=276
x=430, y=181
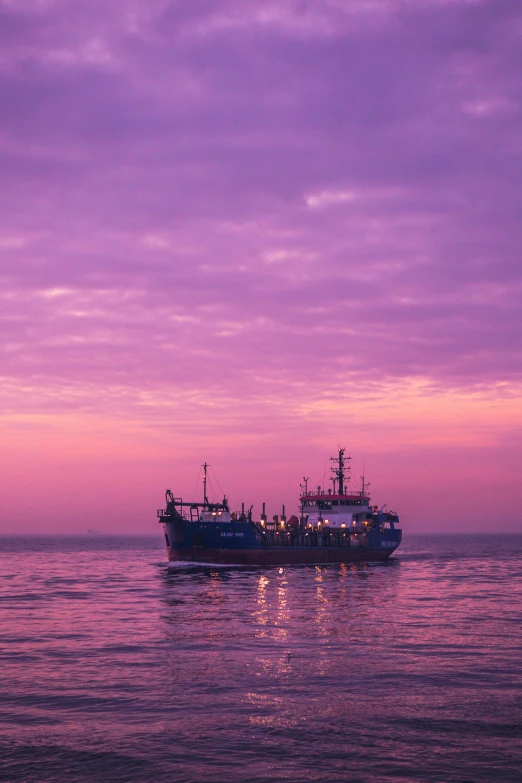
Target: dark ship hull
x=266, y=556
x=243, y=542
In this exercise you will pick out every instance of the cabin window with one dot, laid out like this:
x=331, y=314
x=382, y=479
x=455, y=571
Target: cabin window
x=335, y=502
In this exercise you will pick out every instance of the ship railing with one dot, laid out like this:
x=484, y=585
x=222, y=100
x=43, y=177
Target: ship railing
x=303, y=539
x=325, y=495
x=161, y=513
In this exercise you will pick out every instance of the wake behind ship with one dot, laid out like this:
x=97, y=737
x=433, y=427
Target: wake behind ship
x=336, y=526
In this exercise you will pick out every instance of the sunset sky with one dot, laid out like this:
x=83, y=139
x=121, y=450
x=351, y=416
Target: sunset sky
x=248, y=231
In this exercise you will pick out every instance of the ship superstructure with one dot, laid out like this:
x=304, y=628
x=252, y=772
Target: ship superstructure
x=334, y=526
x=338, y=507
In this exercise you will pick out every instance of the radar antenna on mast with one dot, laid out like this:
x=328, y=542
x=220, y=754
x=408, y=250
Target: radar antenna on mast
x=340, y=470
x=205, y=466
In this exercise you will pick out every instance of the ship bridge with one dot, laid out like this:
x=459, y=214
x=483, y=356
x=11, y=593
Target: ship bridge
x=329, y=510
x=337, y=507
x=328, y=500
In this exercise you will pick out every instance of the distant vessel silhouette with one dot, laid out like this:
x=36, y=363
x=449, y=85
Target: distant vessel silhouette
x=337, y=526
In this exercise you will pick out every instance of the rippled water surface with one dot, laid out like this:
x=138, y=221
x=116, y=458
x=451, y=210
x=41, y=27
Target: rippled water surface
x=113, y=668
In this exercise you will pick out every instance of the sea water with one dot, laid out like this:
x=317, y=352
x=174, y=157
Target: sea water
x=115, y=668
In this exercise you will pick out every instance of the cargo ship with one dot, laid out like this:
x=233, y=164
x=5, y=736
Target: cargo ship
x=337, y=525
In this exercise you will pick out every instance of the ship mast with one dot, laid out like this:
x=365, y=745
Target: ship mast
x=205, y=466
x=339, y=470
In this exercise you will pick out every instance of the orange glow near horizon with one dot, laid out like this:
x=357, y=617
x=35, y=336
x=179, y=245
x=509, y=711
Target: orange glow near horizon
x=417, y=445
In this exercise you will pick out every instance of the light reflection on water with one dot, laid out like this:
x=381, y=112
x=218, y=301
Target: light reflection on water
x=115, y=668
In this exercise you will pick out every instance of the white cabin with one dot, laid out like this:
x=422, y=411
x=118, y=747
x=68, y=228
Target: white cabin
x=335, y=511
